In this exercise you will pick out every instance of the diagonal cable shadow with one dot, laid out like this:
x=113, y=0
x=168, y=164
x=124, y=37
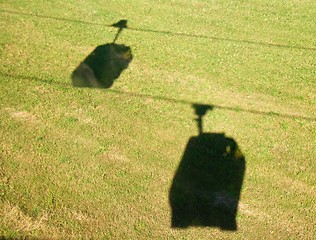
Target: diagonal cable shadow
x=265, y=44
x=166, y=99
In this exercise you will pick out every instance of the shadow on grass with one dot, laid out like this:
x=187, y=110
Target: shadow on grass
x=214, y=38
x=52, y=81
x=22, y=237
x=206, y=187
x=104, y=65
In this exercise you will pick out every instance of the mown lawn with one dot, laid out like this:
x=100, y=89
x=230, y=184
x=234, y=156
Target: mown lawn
x=86, y=163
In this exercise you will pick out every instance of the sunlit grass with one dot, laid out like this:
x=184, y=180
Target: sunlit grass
x=92, y=163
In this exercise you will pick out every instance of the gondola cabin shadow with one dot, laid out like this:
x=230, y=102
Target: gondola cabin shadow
x=206, y=187
x=104, y=64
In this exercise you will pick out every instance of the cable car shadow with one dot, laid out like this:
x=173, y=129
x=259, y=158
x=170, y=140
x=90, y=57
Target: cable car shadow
x=206, y=187
x=104, y=65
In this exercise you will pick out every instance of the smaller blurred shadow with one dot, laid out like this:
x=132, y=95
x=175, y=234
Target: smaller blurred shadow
x=206, y=187
x=104, y=65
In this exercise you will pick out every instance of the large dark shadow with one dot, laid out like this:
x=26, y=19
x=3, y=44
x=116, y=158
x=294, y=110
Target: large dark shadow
x=104, y=65
x=206, y=187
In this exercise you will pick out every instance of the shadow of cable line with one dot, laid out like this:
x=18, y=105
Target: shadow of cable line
x=166, y=99
x=235, y=109
x=49, y=81
x=164, y=32
x=55, y=18
x=224, y=39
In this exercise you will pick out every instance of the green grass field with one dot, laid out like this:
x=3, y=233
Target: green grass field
x=87, y=163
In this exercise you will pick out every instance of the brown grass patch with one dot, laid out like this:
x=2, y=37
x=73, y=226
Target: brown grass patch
x=23, y=116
